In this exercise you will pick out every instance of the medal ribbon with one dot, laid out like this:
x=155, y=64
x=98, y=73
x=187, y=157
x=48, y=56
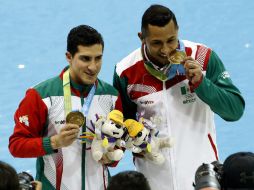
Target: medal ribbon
x=168, y=71
x=157, y=74
x=67, y=95
x=67, y=92
x=68, y=109
x=181, y=46
x=89, y=98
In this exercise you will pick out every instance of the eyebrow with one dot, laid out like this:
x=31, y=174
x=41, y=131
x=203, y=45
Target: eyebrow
x=100, y=55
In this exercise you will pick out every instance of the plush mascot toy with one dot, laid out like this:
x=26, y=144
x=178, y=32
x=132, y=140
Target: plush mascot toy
x=144, y=141
x=107, y=139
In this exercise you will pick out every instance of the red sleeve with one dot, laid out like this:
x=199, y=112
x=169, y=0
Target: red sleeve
x=118, y=105
x=30, y=119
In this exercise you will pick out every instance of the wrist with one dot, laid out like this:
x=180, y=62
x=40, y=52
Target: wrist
x=46, y=142
x=193, y=86
x=54, y=141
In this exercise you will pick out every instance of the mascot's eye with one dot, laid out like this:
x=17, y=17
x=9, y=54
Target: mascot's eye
x=139, y=134
x=118, y=126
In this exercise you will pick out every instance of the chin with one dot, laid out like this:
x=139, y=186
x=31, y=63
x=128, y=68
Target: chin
x=89, y=81
x=164, y=62
x=160, y=61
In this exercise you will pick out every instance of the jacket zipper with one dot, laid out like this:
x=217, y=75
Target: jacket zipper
x=171, y=150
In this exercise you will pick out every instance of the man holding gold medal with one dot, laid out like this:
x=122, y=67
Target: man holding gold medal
x=178, y=85
x=55, y=113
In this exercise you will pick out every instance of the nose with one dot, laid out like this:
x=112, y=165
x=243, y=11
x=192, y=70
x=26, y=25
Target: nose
x=92, y=67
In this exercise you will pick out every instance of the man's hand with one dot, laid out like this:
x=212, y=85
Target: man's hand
x=193, y=70
x=66, y=136
x=105, y=160
x=37, y=185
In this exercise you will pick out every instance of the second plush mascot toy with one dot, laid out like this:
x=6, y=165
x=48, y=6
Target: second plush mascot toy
x=144, y=141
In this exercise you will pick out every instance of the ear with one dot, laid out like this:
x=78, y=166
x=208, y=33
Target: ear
x=68, y=57
x=141, y=37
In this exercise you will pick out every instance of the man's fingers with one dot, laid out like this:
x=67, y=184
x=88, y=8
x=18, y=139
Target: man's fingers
x=191, y=64
x=73, y=132
x=68, y=134
x=192, y=72
x=70, y=127
x=188, y=58
x=66, y=139
x=72, y=136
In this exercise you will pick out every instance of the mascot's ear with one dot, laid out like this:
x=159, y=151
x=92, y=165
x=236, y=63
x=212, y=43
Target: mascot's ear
x=100, y=122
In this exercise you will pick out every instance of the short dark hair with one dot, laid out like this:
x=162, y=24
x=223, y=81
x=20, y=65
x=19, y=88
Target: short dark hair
x=83, y=35
x=128, y=180
x=157, y=15
x=8, y=177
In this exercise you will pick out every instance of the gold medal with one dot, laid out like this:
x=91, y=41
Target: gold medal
x=177, y=57
x=75, y=117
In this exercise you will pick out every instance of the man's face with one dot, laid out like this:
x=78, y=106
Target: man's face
x=85, y=65
x=160, y=42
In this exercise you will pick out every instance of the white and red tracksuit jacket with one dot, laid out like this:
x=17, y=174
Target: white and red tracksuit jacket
x=41, y=115
x=184, y=112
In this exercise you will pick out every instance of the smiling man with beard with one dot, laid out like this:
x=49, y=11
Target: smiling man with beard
x=178, y=85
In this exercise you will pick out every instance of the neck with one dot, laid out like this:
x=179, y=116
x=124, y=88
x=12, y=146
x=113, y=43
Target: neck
x=78, y=86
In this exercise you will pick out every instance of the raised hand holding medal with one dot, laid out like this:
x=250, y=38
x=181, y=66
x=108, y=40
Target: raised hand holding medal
x=74, y=119
x=181, y=64
x=193, y=70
